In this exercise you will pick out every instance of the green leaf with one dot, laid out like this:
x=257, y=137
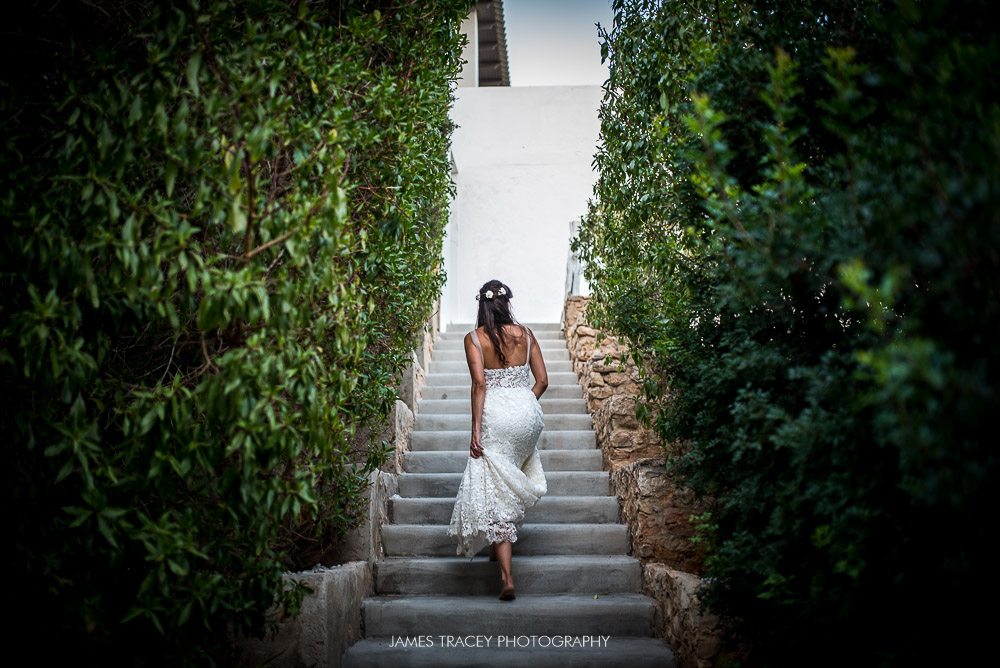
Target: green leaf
x=105, y=530
x=193, y=67
x=237, y=217
x=170, y=177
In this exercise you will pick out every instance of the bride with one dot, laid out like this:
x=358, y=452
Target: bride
x=503, y=476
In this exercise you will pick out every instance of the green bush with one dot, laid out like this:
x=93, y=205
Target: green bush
x=222, y=228
x=795, y=229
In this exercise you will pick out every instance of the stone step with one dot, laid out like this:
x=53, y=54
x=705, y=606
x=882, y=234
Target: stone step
x=433, y=441
x=548, y=510
x=432, y=540
x=540, y=334
x=464, y=406
x=459, y=356
x=557, y=378
x=619, y=652
x=533, y=326
x=543, y=574
x=454, y=461
x=558, y=483
x=458, y=343
x=553, y=422
x=463, y=367
x=566, y=614
x=463, y=391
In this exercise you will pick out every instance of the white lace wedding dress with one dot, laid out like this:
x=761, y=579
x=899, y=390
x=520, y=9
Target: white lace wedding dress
x=508, y=478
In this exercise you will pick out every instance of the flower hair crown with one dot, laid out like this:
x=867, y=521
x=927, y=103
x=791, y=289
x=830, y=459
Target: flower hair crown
x=489, y=293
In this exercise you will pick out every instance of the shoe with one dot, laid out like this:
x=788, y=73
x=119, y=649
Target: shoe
x=507, y=594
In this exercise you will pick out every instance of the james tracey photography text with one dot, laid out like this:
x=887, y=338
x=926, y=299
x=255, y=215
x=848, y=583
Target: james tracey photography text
x=499, y=641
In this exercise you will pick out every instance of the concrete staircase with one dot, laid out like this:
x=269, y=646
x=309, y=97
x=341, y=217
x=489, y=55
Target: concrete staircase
x=572, y=571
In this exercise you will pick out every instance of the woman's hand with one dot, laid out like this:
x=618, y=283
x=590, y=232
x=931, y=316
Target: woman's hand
x=475, y=449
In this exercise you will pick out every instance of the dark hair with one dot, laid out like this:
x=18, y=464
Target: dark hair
x=494, y=313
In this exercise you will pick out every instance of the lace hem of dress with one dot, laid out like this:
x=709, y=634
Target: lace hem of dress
x=498, y=532
x=472, y=540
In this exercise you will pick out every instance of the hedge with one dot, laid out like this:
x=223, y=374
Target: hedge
x=795, y=230
x=222, y=231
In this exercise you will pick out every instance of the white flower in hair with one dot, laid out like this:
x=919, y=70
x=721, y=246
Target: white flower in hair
x=502, y=290
x=489, y=294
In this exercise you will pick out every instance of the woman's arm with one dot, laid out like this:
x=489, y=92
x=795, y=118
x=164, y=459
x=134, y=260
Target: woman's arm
x=475, y=361
x=538, y=368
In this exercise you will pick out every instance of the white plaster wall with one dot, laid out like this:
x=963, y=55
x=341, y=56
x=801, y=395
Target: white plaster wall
x=523, y=157
x=470, y=54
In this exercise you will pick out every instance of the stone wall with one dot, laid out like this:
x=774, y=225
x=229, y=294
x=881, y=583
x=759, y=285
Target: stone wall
x=610, y=387
x=595, y=359
x=623, y=439
x=329, y=621
x=415, y=375
x=654, y=507
x=330, y=618
x=657, y=511
x=695, y=636
x=364, y=542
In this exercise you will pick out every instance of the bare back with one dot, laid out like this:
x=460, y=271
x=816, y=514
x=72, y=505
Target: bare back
x=523, y=351
x=515, y=336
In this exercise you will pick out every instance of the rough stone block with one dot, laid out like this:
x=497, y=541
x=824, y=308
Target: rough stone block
x=696, y=634
x=624, y=421
x=621, y=439
x=583, y=348
x=615, y=378
x=599, y=392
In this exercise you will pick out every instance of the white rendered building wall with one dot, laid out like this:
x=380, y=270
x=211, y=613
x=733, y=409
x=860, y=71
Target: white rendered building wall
x=470, y=54
x=523, y=157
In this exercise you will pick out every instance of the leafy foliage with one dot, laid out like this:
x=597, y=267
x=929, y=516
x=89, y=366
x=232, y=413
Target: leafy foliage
x=222, y=229
x=795, y=229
